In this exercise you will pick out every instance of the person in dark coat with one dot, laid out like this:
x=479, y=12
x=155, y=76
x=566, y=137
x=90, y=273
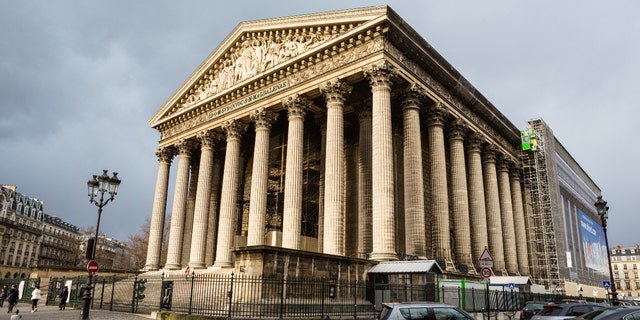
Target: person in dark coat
x=3, y=295
x=63, y=298
x=12, y=298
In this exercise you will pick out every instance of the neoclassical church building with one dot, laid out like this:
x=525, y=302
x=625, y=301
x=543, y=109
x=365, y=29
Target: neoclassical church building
x=340, y=137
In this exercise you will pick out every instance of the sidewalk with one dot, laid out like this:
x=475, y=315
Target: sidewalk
x=52, y=313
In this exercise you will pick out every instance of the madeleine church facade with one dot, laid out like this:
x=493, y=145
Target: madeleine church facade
x=336, y=135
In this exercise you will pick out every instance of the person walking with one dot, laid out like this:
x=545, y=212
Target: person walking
x=12, y=297
x=63, y=298
x=36, y=294
x=3, y=295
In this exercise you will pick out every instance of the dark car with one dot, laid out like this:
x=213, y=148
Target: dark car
x=612, y=313
x=422, y=311
x=530, y=308
x=565, y=311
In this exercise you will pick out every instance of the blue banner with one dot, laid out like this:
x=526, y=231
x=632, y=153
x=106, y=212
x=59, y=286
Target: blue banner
x=594, y=244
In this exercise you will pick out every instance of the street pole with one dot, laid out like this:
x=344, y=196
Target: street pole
x=97, y=185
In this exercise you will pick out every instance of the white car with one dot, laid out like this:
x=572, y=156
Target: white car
x=422, y=311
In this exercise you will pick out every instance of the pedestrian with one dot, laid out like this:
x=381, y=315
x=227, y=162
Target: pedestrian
x=12, y=297
x=3, y=294
x=36, y=294
x=63, y=298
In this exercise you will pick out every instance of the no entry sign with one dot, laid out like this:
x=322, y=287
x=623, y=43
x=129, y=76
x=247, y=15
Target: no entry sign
x=92, y=267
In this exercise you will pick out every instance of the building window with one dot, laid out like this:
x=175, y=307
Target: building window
x=626, y=275
x=624, y=266
x=615, y=267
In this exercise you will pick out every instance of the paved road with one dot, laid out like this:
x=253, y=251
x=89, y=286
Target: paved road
x=52, y=313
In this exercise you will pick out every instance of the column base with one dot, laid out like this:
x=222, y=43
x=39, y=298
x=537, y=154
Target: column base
x=223, y=264
x=197, y=265
x=383, y=256
x=173, y=266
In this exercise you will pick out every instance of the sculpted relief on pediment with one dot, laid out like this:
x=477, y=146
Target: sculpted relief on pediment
x=255, y=53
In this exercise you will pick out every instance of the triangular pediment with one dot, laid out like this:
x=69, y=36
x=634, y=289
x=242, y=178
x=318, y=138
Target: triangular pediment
x=257, y=49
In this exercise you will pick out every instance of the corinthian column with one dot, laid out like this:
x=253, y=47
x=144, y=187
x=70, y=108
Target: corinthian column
x=384, y=242
x=518, y=222
x=179, y=210
x=494, y=223
x=156, y=229
x=292, y=212
x=415, y=229
x=335, y=92
x=229, y=196
x=477, y=208
x=506, y=209
x=439, y=187
x=365, y=197
x=460, y=197
x=263, y=120
x=203, y=193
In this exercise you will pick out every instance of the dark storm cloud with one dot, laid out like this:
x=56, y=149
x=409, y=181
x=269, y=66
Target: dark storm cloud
x=79, y=81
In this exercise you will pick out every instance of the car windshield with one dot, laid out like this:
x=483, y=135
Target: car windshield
x=534, y=306
x=385, y=309
x=551, y=311
x=598, y=314
x=448, y=313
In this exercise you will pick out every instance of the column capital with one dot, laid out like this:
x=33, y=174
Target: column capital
x=475, y=142
x=263, y=118
x=458, y=130
x=296, y=105
x=380, y=74
x=437, y=115
x=234, y=129
x=490, y=153
x=208, y=139
x=335, y=90
x=413, y=96
x=166, y=154
x=185, y=147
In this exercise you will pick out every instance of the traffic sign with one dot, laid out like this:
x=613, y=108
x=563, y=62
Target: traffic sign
x=512, y=285
x=486, y=263
x=92, y=267
x=606, y=284
x=485, y=272
x=486, y=255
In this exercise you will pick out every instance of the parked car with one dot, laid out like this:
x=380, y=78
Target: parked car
x=612, y=313
x=422, y=311
x=565, y=311
x=530, y=308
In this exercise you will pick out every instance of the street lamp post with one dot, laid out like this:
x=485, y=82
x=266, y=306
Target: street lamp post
x=98, y=185
x=603, y=212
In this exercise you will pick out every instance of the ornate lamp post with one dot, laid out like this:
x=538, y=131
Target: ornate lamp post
x=98, y=186
x=603, y=212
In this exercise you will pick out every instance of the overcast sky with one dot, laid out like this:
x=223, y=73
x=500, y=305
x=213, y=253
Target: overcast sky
x=79, y=81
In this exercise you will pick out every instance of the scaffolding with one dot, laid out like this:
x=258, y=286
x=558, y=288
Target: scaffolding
x=543, y=256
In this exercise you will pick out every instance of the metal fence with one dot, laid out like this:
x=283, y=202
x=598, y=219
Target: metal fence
x=247, y=296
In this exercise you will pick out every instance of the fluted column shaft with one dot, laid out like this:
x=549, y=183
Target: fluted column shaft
x=477, y=208
x=335, y=93
x=292, y=212
x=506, y=210
x=460, y=196
x=415, y=228
x=384, y=242
x=229, y=195
x=203, y=194
x=156, y=230
x=263, y=119
x=519, y=224
x=189, y=215
x=439, y=186
x=494, y=223
x=321, y=120
x=178, y=213
x=214, y=202
x=365, y=196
